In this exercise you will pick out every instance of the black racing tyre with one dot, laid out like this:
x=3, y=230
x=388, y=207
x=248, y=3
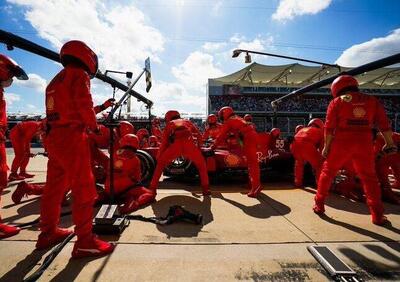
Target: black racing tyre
x=148, y=166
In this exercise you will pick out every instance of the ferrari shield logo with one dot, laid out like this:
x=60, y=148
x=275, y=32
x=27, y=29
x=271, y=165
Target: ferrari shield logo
x=232, y=160
x=359, y=112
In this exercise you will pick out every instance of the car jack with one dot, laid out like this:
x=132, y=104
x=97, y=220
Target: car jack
x=337, y=269
x=109, y=221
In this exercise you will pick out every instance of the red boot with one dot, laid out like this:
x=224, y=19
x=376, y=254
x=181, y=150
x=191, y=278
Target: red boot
x=377, y=214
x=26, y=175
x=15, y=177
x=25, y=189
x=8, y=230
x=206, y=191
x=379, y=219
x=91, y=247
x=50, y=239
x=319, y=206
x=254, y=192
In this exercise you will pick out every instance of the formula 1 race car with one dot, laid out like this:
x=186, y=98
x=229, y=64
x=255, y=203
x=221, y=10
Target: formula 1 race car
x=228, y=158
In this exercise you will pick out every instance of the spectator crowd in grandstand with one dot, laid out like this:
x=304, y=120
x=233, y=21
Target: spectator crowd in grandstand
x=259, y=103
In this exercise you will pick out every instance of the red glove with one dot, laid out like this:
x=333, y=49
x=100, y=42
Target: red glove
x=108, y=103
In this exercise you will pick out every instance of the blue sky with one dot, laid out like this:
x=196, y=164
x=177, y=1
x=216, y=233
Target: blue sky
x=189, y=41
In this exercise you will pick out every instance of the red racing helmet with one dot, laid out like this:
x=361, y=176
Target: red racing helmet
x=298, y=128
x=343, y=83
x=156, y=121
x=172, y=114
x=212, y=119
x=153, y=140
x=129, y=140
x=225, y=112
x=275, y=132
x=248, y=118
x=316, y=122
x=125, y=127
x=9, y=68
x=78, y=50
x=143, y=132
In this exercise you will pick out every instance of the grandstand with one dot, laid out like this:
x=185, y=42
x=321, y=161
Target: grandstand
x=251, y=90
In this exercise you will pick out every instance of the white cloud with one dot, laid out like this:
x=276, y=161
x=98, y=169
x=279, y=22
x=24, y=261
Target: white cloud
x=196, y=70
x=288, y=9
x=119, y=34
x=11, y=98
x=175, y=96
x=35, y=82
x=213, y=46
x=237, y=38
x=255, y=45
x=371, y=50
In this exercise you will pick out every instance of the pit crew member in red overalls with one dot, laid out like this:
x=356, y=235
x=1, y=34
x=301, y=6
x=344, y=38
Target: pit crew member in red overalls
x=212, y=129
x=156, y=129
x=232, y=122
x=387, y=163
x=178, y=141
x=153, y=141
x=21, y=136
x=349, y=121
x=127, y=176
x=69, y=110
x=306, y=147
x=249, y=119
x=297, y=129
x=8, y=70
x=143, y=135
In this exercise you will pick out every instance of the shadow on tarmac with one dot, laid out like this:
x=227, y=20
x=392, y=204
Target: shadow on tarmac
x=379, y=237
x=340, y=202
x=23, y=267
x=383, y=253
x=372, y=269
x=75, y=266
x=266, y=207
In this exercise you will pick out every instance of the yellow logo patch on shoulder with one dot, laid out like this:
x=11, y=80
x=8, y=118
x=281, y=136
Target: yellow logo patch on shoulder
x=179, y=123
x=50, y=103
x=359, y=112
x=346, y=98
x=118, y=164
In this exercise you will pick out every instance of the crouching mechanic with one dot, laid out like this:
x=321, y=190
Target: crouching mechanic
x=306, y=148
x=8, y=70
x=69, y=111
x=349, y=121
x=177, y=140
x=387, y=162
x=127, y=176
x=232, y=122
x=21, y=136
